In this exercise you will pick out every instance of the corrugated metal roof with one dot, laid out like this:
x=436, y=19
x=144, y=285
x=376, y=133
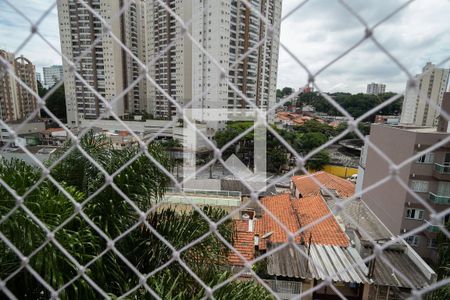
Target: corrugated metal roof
x=384, y=275
x=324, y=261
x=288, y=262
x=335, y=262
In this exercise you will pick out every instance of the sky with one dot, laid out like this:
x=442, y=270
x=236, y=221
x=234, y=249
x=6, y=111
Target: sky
x=315, y=34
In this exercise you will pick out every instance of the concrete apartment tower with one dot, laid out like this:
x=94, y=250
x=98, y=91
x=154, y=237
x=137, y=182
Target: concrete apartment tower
x=432, y=84
x=38, y=77
x=52, y=75
x=428, y=176
x=225, y=30
x=376, y=88
x=9, y=108
x=16, y=102
x=106, y=67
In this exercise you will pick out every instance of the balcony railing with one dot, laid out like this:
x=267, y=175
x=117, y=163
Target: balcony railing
x=442, y=169
x=437, y=199
x=434, y=228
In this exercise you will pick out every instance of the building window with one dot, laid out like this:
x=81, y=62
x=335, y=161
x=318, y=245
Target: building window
x=414, y=213
x=419, y=186
x=432, y=243
x=413, y=240
x=443, y=188
x=426, y=159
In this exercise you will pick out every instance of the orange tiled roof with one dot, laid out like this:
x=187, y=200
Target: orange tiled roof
x=307, y=187
x=242, y=242
x=123, y=133
x=49, y=130
x=327, y=231
x=285, y=115
x=293, y=214
x=334, y=124
x=280, y=206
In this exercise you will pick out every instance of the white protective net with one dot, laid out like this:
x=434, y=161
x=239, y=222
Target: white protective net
x=112, y=238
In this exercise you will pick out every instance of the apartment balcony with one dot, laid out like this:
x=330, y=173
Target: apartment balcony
x=441, y=172
x=435, y=229
x=439, y=199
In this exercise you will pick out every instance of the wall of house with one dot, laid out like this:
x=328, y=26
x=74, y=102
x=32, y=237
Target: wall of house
x=387, y=200
x=340, y=171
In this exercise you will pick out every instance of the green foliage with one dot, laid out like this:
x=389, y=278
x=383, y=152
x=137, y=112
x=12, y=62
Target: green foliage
x=232, y=130
x=276, y=154
x=316, y=126
x=51, y=207
x=442, y=267
x=56, y=102
x=143, y=183
x=356, y=104
x=287, y=91
x=318, y=161
x=364, y=128
x=279, y=93
x=312, y=140
x=302, y=140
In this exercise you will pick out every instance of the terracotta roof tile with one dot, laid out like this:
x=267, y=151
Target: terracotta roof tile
x=292, y=214
x=307, y=187
x=48, y=130
x=327, y=231
x=242, y=242
x=280, y=206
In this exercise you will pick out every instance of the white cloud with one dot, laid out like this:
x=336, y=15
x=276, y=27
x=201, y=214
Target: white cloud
x=317, y=33
x=321, y=30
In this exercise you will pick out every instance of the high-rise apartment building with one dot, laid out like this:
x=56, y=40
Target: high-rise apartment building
x=432, y=84
x=109, y=70
x=8, y=90
x=376, y=88
x=38, y=77
x=428, y=176
x=52, y=75
x=16, y=102
x=224, y=30
x=178, y=67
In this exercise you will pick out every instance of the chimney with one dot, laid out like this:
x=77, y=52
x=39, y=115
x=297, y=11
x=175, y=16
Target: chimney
x=443, y=125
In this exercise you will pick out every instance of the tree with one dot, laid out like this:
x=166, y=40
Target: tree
x=56, y=103
x=144, y=184
x=287, y=91
x=275, y=160
x=442, y=267
x=279, y=93
x=316, y=126
x=363, y=127
x=356, y=104
x=317, y=161
x=312, y=140
x=41, y=90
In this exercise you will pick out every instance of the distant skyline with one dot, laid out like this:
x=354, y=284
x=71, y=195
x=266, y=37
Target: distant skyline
x=317, y=33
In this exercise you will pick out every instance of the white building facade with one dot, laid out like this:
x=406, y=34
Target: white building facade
x=107, y=68
x=432, y=84
x=223, y=31
x=178, y=68
x=376, y=88
x=52, y=75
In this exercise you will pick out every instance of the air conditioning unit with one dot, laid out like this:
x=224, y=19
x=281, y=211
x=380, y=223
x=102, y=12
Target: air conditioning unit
x=404, y=230
x=418, y=145
x=413, y=175
x=409, y=203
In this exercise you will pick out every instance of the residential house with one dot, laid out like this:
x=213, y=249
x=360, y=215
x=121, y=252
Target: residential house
x=321, y=254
